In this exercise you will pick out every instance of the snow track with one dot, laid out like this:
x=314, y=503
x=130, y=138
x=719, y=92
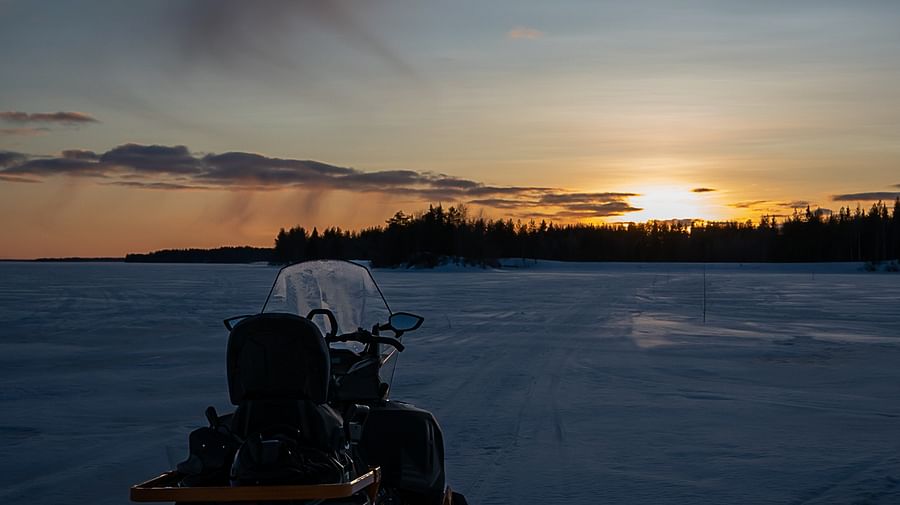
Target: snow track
x=575, y=383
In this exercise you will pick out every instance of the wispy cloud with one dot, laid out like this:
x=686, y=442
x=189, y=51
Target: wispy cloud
x=66, y=118
x=534, y=203
x=498, y=203
x=566, y=198
x=524, y=32
x=864, y=197
x=597, y=209
x=177, y=168
x=749, y=204
x=25, y=123
x=769, y=205
x=25, y=131
x=796, y=204
x=280, y=34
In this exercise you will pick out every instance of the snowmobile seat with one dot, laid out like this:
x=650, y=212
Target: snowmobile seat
x=278, y=376
x=277, y=356
x=317, y=426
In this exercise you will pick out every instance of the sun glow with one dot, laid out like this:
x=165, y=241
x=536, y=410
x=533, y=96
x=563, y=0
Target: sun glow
x=670, y=201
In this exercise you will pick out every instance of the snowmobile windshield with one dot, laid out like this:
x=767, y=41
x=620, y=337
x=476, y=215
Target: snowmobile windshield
x=344, y=288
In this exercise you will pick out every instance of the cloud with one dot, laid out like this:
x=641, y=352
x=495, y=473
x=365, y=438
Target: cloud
x=386, y=178
x=771, y=204
x=871, y=196
x=27, y=131
x=9, y=158
x=702, y=190
x=750, y=204
x=571, y=205
x=524, y=32
x=154, y=185
x=569, y=198
x=446, y=181
x=482, y=190
x=47, y=167
x=66, y=118
x=46, y=118
x=593, y=209
x=255, y=171
x=281, y=34
x=80, y=154
x=498, y=203
x=13, y=178
x=152, y=159
x=177, y=168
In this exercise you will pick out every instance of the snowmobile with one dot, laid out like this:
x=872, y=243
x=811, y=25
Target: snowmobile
x=309, y=376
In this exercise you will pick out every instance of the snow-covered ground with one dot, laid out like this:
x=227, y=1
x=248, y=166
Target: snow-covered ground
x=589, y=383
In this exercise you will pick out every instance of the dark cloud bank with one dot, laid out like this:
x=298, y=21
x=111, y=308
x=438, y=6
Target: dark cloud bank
x=24, y=122
x=869, y=196
x=175, y=167
x=47, y=117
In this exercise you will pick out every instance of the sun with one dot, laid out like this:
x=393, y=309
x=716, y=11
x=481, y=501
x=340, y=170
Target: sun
x=671, y=201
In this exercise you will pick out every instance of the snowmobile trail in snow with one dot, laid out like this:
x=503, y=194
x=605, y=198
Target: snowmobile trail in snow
x=589, y=383
x=606, y=385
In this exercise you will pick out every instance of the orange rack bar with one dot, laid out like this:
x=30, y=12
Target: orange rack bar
x=165, y=489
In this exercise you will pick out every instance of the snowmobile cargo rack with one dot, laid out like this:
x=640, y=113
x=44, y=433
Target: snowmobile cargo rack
x=165, y=489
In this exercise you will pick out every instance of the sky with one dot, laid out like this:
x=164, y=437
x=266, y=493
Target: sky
x=141, y=125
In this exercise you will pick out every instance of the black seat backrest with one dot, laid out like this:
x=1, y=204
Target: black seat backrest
x=279, y=357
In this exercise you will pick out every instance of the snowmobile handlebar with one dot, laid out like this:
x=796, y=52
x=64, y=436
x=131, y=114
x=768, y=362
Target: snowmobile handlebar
x=328, y=315
x=365, y=337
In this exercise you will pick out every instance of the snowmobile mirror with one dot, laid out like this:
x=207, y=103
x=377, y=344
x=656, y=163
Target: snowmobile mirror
x=404, y=321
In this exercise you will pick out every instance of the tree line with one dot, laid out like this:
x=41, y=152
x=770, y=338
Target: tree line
x=430, y=237
x=242, y=254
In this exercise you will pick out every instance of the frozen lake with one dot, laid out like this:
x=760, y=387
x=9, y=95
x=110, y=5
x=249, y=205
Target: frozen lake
x=589, y=383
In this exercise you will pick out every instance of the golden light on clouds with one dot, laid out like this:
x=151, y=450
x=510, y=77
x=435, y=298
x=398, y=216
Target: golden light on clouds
x=661, y=201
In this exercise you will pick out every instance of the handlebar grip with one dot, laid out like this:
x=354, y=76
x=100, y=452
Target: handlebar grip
x=360, y=336
x=364, y=337
x=390, y=341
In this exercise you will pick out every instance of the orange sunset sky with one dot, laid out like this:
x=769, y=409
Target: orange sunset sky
x=134, y=126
